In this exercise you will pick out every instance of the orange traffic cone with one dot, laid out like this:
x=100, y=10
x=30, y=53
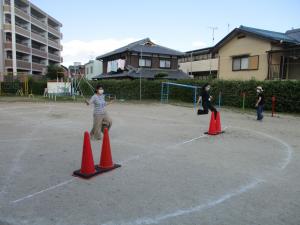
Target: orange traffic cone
x=106, y=163
x=212, y=125
x=87, y=164
x=218, y=123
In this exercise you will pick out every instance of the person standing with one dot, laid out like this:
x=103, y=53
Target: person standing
x=260, y=103
x=206, y=99
x=100, y=115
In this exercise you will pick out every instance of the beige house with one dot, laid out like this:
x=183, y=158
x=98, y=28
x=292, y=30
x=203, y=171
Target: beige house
x=249, y=53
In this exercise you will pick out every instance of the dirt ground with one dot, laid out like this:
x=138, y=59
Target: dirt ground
x=171, y=172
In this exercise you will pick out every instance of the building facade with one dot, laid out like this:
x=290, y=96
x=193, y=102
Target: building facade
x=200, y=63
x=143, y=59
x=250, y=53
x=30, y=38
x=93, y=68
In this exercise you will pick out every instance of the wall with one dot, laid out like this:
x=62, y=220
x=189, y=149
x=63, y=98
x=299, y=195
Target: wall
x=1, y=43
x=200, y=65
x=97, y=69
x=247, y=45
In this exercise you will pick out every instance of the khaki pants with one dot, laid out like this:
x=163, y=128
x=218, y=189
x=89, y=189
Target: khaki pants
x=99, y=121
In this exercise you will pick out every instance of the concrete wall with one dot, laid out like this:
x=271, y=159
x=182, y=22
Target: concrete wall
x=247, y=45
x=1, y=42
x=200, y=65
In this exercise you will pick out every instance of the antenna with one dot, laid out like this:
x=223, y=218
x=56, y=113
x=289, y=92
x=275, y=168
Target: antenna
x=213, y=34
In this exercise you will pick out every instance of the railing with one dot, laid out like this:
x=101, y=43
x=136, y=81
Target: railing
x=54, y=57
x=38, y=52
x=23, y=48
x=38, y=66
x=20, y=64
x=54, y=31
x=6, y=8
x=22, y=31
x=54, y=44
x=39, y=38
x=7, y=26
x=22, y=14
x=23, y=64
x=38, y=23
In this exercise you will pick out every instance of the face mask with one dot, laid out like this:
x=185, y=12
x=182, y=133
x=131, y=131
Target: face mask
x=207, y=88
x=258, y=91
x=101, y=92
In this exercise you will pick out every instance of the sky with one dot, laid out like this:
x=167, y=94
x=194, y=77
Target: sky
x=94, y=27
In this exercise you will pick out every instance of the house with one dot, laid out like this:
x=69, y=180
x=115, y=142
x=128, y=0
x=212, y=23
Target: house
x=200, y=63
x=30, y=39
x=250, y=53
x=143, y=59
x=77, y=70
x=93, y=68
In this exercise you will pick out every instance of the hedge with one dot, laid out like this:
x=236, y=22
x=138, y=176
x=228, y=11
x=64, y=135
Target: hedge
x=287, y=93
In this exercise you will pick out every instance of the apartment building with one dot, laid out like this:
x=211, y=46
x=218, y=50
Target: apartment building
x=200, y=63
x=30, y=39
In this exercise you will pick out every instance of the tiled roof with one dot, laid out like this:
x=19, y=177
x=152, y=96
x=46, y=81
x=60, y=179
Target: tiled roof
x=272, y=35
x=146, y=73
x=144, y=46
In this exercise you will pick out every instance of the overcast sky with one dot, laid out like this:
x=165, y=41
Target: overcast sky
x=93, y=27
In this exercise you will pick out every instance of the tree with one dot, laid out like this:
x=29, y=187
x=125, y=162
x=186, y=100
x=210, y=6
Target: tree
x=54, y=72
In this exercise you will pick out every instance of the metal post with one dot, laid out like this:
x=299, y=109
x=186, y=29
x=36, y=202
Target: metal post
x=244, y=96
x=141, y=76
x=191, y=63
x=220, y=99
x=273, y=105
x=195, y=98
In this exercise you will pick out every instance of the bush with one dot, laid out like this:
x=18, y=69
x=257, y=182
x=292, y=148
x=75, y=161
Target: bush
x=287, y=93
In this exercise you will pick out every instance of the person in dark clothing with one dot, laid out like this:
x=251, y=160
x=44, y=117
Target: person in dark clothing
x=205, y=100
x=260, y=103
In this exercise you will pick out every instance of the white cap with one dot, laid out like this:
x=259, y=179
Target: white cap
x=259, y=88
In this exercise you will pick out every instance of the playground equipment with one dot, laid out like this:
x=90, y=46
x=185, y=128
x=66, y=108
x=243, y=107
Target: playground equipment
x=165, y=91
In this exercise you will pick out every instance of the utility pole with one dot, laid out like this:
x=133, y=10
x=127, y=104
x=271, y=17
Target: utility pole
x=213, y=42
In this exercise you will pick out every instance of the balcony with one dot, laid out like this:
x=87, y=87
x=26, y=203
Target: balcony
x=39, y=53
x=22, y=31
x=38, y=67
x=22, y=14
x=38, y=23
x=54, y=57
x=38, y=38
x=6, y=8
x=54, y=44
x=19, y=47
x=7, y=27
x=54, y=32
x=21, y=64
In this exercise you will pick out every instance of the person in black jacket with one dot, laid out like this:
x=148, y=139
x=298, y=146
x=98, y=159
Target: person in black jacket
x=260, y=103
x=205, y=100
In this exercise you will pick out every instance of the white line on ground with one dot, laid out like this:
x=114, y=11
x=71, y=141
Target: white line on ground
x=185, y=211
x=288, y=148
x=42, y=191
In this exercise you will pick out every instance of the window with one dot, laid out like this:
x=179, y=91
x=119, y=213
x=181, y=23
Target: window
x=87, y=70
x=245, y=63
x=165, y=64
x=91, y=69
x=145, y=62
